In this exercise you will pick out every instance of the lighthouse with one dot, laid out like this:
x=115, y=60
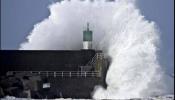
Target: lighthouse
x=87, y=38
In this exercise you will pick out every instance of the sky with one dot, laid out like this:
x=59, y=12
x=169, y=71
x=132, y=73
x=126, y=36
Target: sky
x=18, y=18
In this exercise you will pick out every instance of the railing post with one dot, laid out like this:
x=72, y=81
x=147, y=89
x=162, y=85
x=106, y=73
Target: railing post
x=69, y=74
x=77, y=73
x=47, y=73
x=85, y=74
x=54, y=74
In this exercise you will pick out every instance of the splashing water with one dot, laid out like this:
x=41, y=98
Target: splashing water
x=119, y=30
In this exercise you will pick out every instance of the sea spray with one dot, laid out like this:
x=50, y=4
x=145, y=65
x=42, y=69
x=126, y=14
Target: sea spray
x=119, y=30
x=132, y=47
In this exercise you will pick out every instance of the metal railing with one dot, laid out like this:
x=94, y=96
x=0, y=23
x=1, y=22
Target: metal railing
x=93, y=60
x=60, y=73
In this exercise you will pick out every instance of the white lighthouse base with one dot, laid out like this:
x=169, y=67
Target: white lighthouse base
x=87, y=45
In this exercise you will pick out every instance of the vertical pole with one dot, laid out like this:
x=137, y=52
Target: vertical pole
x=87, y=25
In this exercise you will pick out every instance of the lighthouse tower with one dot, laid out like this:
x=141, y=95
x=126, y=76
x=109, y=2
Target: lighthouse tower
x=87, y=38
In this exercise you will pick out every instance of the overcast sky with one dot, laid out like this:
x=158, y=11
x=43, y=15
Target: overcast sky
x=19, y=16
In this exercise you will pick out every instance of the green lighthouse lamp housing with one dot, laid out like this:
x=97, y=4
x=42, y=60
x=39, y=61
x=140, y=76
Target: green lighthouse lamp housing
x=87, y=34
